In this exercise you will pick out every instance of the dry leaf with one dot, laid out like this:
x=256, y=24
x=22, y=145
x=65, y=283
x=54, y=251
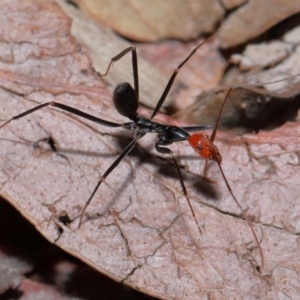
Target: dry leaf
x=204, y=71
x=51, y=269
x=138, y=228
x=248, y=109
x=155, y=20
x=11, y=271
x=34, y=290
x=231, y=4
x=254, y=18
x=102, y=44
x=185, y=20
x=260, y=107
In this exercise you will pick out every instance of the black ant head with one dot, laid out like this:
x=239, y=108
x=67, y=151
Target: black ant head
x=125, y=100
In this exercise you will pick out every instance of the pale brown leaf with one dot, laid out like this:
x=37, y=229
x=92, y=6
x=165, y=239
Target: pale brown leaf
x=33, y=290
x=255, y=104
x=51, y=271
x=203, y=73
x=254, y=18
x=231, y=4
x=155, y=20
x=138, y=228
x=185, y=20
x=11, y=270
x=102, y=44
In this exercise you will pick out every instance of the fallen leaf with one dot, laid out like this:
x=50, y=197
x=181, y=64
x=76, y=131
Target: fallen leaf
x=202, y=74
x=138, y=229
x=185, y=20
x=192, y=80
x=263, y=55
x=48, y=269
x=254, y=104
x=102, y=44
x=155, y=20
x=11, y=271
x=35, y=290
x=248, y=109
x=254, y=18
x=231, y=4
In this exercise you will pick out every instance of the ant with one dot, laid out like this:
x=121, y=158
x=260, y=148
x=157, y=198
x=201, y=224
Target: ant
x=126, y=101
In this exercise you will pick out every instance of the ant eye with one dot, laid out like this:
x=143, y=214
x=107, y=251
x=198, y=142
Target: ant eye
x=199, y=147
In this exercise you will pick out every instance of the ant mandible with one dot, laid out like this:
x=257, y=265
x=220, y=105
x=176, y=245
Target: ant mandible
x=126, y=101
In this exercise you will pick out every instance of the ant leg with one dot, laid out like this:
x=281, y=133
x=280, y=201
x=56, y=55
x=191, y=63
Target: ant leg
x=243, y=215
x=206, y=148
x=205, y=173
x=134, y=66
x=165, y=150
x=107, y=172
x=211, y=152
x=213, y=135
x=176, y=71
x=205, y=168
x=68, y=109
x=212, y=138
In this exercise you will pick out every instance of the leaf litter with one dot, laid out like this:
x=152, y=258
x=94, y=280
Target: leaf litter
x=154, y=20
x=138, y=228
x=12, y=269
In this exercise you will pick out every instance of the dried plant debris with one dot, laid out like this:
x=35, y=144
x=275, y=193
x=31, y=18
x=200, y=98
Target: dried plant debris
x=32, y=268
x=204, y=72
x=93, y=37
x=248, y=109
x=157, y=61
x=156, y=20
x=185, y=20
x=138, y=229
x=253, y=18
x=231, y=4
x=12, y=269
x=262, y=55
x=261, y=106
x=35, y=290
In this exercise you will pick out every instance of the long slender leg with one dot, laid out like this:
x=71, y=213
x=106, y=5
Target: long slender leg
x=172, y=78
x=213, y=135
x=165, y=150
x=68, y=109
x=243, y=214
x=212, y=138
x=205, y=171
x=134, y=66
x=107, y=172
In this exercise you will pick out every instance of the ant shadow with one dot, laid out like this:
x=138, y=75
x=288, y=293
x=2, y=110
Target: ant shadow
x=163, y=164
x=165, y=167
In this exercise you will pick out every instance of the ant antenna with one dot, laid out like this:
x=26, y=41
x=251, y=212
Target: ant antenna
x=176, y=71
